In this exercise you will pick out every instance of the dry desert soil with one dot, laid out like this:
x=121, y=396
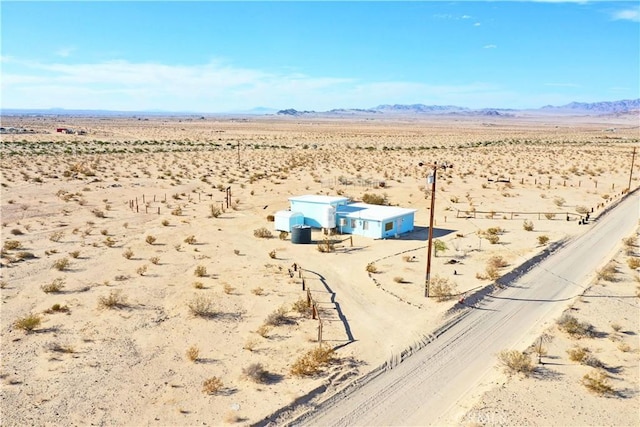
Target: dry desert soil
x=136, y=291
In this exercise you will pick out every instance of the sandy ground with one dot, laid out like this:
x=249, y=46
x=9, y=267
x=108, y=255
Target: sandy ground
x=94, y=199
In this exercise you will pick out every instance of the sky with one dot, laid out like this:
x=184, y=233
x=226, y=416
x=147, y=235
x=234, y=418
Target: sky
x=210, y=56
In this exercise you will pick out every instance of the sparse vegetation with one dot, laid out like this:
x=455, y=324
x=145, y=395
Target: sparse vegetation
x=201, y=306
x=516, y=362
x=575, y=328
x=200, y=271
x=312, y=362
x=598, y=382
x=28, y=323
x=115, y=299
x=543, y=239
x=61, y=264
x=54, y=287
x=527, y=225
x=193, y=353
x=256, y=373
x=262, y=233
x=150, y=239
x=212, y=385
x=442, y=288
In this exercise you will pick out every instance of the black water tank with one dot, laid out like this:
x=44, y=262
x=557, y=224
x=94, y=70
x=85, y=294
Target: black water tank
x=301, y=234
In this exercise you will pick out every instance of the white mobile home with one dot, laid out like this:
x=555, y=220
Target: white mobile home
x=374, y=221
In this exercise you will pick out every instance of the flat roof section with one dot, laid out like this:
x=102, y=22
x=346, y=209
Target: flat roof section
x=317, y=198
x=372, y=212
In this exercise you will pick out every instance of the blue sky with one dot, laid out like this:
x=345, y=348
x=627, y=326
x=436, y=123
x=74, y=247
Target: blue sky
x=234, y=56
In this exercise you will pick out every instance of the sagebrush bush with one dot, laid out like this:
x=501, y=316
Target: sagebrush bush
x=28, y=323
x=575, y=328
x=312, y=362
x=442, y=288
x=193, y=353
x=200, y=271
x=516, y=362
x=201, y=306
x=55, y=286
x=543, y=240
x=212, y=385
x=61, y=264
x=277, y=317
x=115, y=299
x=598, y=382
x=262, y=233
x=256, y=373
x=527, y=225
x=374, y=199
x=371, y=268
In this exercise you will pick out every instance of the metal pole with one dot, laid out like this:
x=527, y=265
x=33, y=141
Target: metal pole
x=433, y=205
x=633, y=157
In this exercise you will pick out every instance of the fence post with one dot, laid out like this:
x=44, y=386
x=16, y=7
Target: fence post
x=320, y=332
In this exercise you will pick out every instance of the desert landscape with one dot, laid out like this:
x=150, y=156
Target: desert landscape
x=143, y=282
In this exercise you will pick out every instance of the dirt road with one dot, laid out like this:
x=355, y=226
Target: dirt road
x=429, y=387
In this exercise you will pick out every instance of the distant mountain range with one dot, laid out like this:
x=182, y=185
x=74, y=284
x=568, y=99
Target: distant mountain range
x=595, y=108
x=573, y=108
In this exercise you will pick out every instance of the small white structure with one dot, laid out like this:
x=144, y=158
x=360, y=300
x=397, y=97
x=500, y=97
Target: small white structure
x=285, y=220
x=318, y=211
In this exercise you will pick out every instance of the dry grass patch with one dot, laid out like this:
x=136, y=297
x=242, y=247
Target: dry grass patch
x=516, y=362
x=598, y=382
x=312, y=362
x=115, y=299
x=442, y=288
x=193, y=353
x=575, y=328
x=54, y=287
x=212, y=385
x=608, y=272
x=201, y=306
x=61, y=264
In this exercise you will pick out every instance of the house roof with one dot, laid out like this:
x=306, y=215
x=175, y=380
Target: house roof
x=316, y=198
x=287, y=214
x=372, y=212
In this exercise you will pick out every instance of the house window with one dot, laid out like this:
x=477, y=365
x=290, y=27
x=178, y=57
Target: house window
x=365, y=225
x=388, y=226
x=353, y=223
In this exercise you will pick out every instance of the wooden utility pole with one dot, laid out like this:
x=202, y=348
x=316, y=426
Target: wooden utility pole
x=633, y=157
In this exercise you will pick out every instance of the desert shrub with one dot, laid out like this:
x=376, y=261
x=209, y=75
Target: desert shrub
x=543, y=240
x=22, y=255
x=624, y=347
x=250, y=344
x=493, y=239
x=630, y=241
x=257, y=291
x=271, y=218
x=283, y=235
x=17, y=232
x=150, y=239
x=192, y=353
x=272, y=254
x=608, y=272
x=577, y=354
x=491, y=273
x=201, y=306
x=56, y=236
x=262, y=233
x=549, y=215
x=128, y=254
x=55, y=286
x=28, y=323
x=312, y=362
x=177, y=211
x=497, y=261
x=165, y=222
x=442, y=288
x=408, y=258
x=11, y=245
x=115, y=299
x=228, y=289
x=277, y=317
x=616, y=327
x=439, y=246
x=215, y=211
x=371, y=268
x=598, y=382
x=301, y=306
x=142, y=270
x=575, y=328
x=236, y=251
x=57, y=308
x=527, y=225
x=198, y=285
x=263, y=330
x=494, y=231
x=374, y=199
x=154, y=260
x=74, y=254
x=212, y=385
x=190, y=240
x=559, y=201
x=61, y=264
x=200, y=271
x=98, y=213
x=256, y=373
x=326, y=246
x=516, y=362
x=109, y=242
x=633, y=262
x=398, y=279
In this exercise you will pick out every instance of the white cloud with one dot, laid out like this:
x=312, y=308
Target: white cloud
x=489, y=46
x=562, y=84
x=631, y=14
x=219, y=87
x=477, y=24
